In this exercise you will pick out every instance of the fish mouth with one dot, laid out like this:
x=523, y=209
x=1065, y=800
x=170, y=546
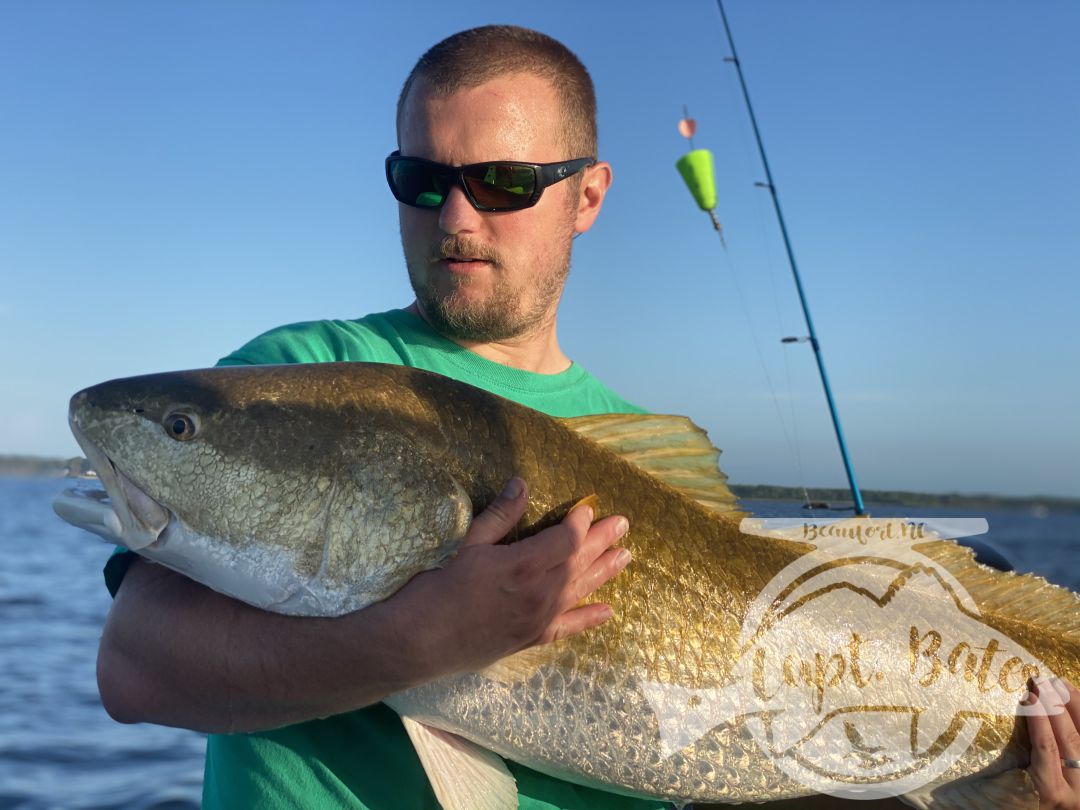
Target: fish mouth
x=123, y=513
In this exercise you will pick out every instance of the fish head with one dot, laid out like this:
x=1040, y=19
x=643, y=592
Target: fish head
x=155, y=443
x=115, y=421
x=264, y=487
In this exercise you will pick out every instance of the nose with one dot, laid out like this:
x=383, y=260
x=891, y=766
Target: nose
x=457, y=214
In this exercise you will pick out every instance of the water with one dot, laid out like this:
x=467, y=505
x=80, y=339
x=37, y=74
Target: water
x=58, y=748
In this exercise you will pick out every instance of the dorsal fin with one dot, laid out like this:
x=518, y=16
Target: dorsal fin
x=670, y=448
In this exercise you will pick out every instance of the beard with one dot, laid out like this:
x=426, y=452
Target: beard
x=507, y=312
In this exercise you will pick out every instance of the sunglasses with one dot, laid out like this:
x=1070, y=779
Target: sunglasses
x=498, y=185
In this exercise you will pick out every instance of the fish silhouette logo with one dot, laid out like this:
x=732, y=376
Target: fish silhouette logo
x=864, y=668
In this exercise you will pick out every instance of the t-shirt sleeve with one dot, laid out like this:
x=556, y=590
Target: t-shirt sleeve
x=116, y=568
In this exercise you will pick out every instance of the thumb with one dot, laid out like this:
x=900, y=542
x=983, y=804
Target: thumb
x=500, y=516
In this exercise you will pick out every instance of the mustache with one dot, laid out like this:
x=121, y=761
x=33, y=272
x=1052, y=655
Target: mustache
x=463, y=247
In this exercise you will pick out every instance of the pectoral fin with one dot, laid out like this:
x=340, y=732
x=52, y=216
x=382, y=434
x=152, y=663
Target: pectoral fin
x=521, y=666
x=463, y=775
x=591, y=501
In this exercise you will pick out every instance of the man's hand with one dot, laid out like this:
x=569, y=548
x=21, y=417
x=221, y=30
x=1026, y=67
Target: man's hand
x=533, y=586
x=1055, y=737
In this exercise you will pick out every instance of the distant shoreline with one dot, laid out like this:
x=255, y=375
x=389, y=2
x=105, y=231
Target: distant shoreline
x=38, y=466
x=838, y=497
x=41, y=467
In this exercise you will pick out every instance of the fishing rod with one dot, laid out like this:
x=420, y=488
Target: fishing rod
x=697, y=171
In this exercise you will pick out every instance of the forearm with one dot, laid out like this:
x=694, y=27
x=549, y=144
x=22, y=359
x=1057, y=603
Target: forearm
x=176, y=653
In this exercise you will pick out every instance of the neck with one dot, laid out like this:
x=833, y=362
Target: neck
x=537, y=351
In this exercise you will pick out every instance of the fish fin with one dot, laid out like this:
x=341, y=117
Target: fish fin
x=592, y=501
x=463, y=775
x=520, y=666
x=670, y=448
x=1008, y=790
x=1014, y=599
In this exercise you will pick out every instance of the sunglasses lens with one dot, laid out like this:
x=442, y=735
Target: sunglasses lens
x=418, y=184
x=501, y=186
x=492, y=186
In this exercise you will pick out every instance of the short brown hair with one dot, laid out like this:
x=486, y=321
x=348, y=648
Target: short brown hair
x=470, y=58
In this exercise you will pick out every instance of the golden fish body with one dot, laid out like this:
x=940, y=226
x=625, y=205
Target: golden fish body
x=319, y=489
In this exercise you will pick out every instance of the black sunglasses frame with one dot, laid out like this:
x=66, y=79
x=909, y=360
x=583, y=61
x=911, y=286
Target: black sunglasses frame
x=547, y=174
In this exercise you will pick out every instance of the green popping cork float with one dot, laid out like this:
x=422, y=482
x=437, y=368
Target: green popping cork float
x=696, y=168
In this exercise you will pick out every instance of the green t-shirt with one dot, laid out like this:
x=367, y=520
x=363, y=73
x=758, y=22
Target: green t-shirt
x=363, y=759
x=403, y=339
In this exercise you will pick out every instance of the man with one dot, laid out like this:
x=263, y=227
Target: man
x=487, y=287
x=487, y=245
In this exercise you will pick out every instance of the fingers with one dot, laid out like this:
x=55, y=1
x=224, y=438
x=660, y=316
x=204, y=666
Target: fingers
x=1072, y=695
x=575, y=543
x=553, y=547
x=1053, y=694
x=569, y=562
x=596, y=562
x=546, y=576
x=500, y=517
x=575, y=621
x=1045, y=769
x=592, y=564
x=1052, y=736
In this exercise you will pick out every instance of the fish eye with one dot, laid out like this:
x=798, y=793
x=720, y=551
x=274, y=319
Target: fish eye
x=181, y=426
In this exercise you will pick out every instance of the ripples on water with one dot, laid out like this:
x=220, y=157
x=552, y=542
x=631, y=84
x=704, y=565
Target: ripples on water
x=58, y=748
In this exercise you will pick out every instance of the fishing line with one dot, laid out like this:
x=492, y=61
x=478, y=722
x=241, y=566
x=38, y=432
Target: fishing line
x=696, y=169
x=795, y=449
x=795, y=445
x=734, y=276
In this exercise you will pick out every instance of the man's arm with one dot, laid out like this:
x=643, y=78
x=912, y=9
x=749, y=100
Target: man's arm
x=177, y=653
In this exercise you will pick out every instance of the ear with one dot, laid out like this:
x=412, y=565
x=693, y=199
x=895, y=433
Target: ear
x=593, y=187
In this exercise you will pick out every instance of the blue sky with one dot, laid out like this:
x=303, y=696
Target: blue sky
x=179, y=177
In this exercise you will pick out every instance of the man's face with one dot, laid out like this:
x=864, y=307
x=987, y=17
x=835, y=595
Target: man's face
x=482, y=276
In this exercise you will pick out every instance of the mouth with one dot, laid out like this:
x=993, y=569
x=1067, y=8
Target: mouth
x=122, y=513
x=463, y=264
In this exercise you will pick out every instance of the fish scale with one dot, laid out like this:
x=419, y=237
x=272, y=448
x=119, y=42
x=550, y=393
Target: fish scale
x=318, y=489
